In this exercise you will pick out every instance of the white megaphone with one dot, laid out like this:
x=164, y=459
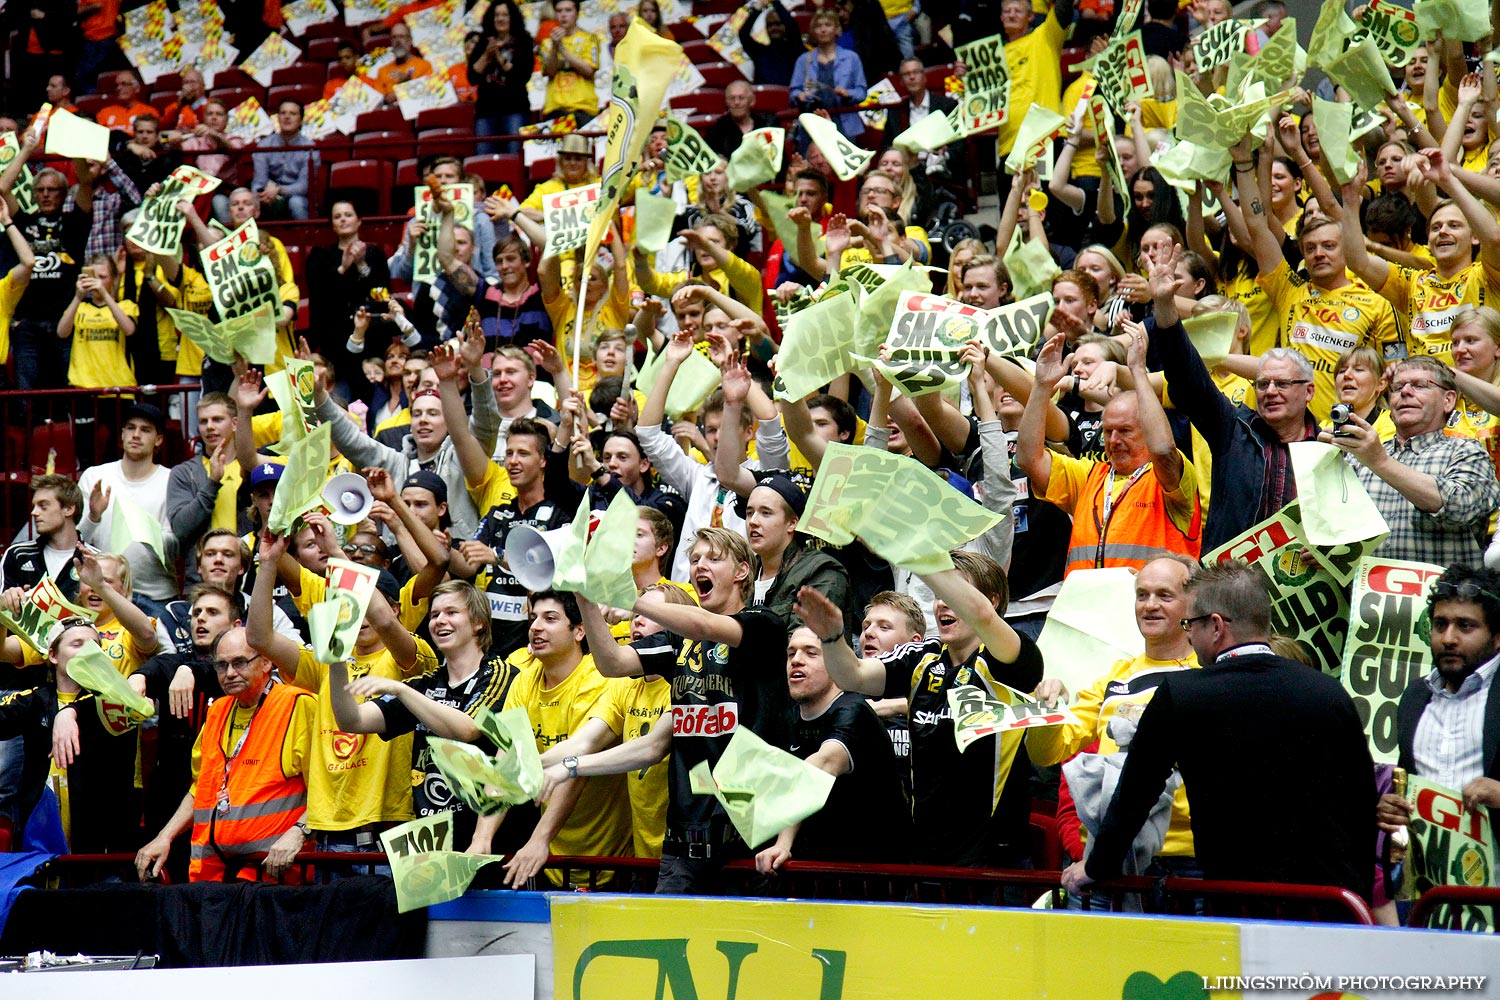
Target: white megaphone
x=532, y=554
x=348, y=499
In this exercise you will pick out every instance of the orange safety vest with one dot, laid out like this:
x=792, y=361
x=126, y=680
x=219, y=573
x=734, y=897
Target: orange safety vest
x=1135, y=529
x=263, y=803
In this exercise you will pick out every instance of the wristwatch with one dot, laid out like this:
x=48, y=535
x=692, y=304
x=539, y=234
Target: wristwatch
x=571, y=763
x=301, y=824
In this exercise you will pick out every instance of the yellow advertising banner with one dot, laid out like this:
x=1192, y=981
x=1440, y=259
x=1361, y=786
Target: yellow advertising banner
x=613, y=948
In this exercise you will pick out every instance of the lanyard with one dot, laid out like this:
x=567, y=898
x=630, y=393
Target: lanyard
x=1101, y=522
x=1248, y=649
x=240, y=745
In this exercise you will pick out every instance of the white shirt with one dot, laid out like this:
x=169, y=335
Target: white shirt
x=1448, y=747
x=148, y=575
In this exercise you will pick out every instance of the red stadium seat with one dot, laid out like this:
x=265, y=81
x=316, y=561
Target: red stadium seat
x=366, y=183
x=457, y=116
x=406, y=179
x=234, y=78
x=323, y=50
x=803, y=16
x=310, y=72
x=935, y=77
x=702, y=123
x=772, y=97
x=541, y=170
x=296, y=255
x=92, y=104
x=162, y=99
x=703, y=8
x=106, y=81
x=380, y=145
x=499, y=168
x=233, y=96
x=700, y=52
x=302, y=93
x=720, y=74
x=335, y=29
x=458, y=142
x=705, y=102
x=684, y=31
x=333, y=149
x=169, y=81
x=382, y=120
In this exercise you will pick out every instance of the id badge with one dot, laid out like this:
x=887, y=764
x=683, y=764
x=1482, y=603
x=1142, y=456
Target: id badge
x=223, y=803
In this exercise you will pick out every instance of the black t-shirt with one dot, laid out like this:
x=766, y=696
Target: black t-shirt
x=60, y=242
x=1042, y=531
x=866, y=819
x=505, y=593
x=970, y=808
x=716, y=688
x=1086, y=440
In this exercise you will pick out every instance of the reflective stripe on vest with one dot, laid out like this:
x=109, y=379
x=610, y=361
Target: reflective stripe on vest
x=1137, y=531
x=263, y=802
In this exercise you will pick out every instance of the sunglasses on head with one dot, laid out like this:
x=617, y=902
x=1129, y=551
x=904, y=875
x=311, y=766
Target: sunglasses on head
x=1467, y=590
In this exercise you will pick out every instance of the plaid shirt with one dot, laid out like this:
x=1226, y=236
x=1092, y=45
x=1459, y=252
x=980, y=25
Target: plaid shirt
x=1456, y=532
x=105, y=236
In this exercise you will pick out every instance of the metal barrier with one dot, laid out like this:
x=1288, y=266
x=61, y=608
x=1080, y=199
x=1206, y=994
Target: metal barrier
x=1446, y=902
x=887, y=883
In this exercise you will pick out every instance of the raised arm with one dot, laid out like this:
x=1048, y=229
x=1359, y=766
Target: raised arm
x=1032, y=455
x=610, y=658
x=134, y=620
x=731, y=450
x=260, y=630
x=950, y=587
x=1436, y=168
x=1166, y=460
x=352, y=716
x=1264, y=246
x=472, y=458
x=1291, y=140
x=1373, y=270
x=1469, y=92
x=861, y=675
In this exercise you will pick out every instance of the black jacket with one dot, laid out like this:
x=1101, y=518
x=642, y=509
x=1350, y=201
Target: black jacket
x=1409, y=712
x=1244, y=732
x=898, y=116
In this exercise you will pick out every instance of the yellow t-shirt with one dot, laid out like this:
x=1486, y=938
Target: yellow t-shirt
x=632, y=707
x=193, y=296
x=296, y=748
x=552, y=185
x=410, y=612
x=621, y=630
x=11, y=291
x=1158, y=114
x=266, y=428
x=599, y=824
x=1263, y=321
x=1427, y=303
x=493, y=490
x=612, y=314
x=1322, y=325
x=736, y=279
x=354, y=779
x=1128, y=682
x=1473, y=421
x=1084, y=164
x=1070, y=475
x=99, y=357
x=568, y=91
x=1035, y=64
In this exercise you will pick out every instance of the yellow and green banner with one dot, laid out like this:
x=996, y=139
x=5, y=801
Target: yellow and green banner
x=424, y=865
x=1450, y=845
x=240, y=276
x=334, y=622
x=424, y=260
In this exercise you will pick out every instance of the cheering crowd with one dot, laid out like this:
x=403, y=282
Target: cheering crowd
x=1358, y=312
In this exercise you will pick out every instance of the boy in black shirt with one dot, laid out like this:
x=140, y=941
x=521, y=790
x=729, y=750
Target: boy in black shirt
x=967, y=808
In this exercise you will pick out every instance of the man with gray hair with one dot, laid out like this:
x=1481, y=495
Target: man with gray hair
x=1247, y=718
x=1252, y=468
x=1436, y=491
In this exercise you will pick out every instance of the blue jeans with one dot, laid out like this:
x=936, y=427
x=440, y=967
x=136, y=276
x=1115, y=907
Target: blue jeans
x=507, y=123
x=344, y=842
x=901, y=26
x=41, y=357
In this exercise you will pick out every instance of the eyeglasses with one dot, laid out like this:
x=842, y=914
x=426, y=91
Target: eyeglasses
x=238, y=665
x=1415, y=385
x=1270, y=384
x=363, y=550
x=1468, y=590
x=1188, y=623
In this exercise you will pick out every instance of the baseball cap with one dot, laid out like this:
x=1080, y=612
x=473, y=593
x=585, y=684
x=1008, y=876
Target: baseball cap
x=266, y=472
x=792, y=487
x=145, y=411
x=429, y=481
x=387, y=585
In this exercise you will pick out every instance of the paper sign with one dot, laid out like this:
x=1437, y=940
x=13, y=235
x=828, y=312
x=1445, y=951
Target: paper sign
x=334, y=623
x=424, y=93
x=1335, y=120
x=757, y=160
x=845, y=157
x=1187, y=163
x=301, y=485
x=986, y=98
x=158, y=226
x=131, y=523
x=1031, y=266
x=248, y=121
x=357, y=12
x=926, y=336
x=608, y=580
x=303, y=14
x=876, y=98
x=763, y=789
x=1457, y=20
x=1336, y=509
x=240, y=276
x=72, y=136
x=687, y=154
x=654, y=216
x=425, y=868
x=292, y=389
x=1091, y=625
x=350, y=101
x=881, y=299
x=10, y=147
x=92, y=669
x=490, y=784
x=567, y=215
x=977, y=715
x=1363, y=73
x=815, y=347
x=1104, y=127
x=272, y=54
x=903, y=511
x=424, y=261
x=1213, y=46
x=932, y=132
x=1309, y=602
x=251, y=336
x=1212, y=335
x=1120, y=71
x=1275, y=64
x=1330, y=34
x=1450, y=845
x=1388, y=646
x=38, y=621
x=1219, y=123
x=1040, y=126
x=695, y=381
x=1392, y=27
